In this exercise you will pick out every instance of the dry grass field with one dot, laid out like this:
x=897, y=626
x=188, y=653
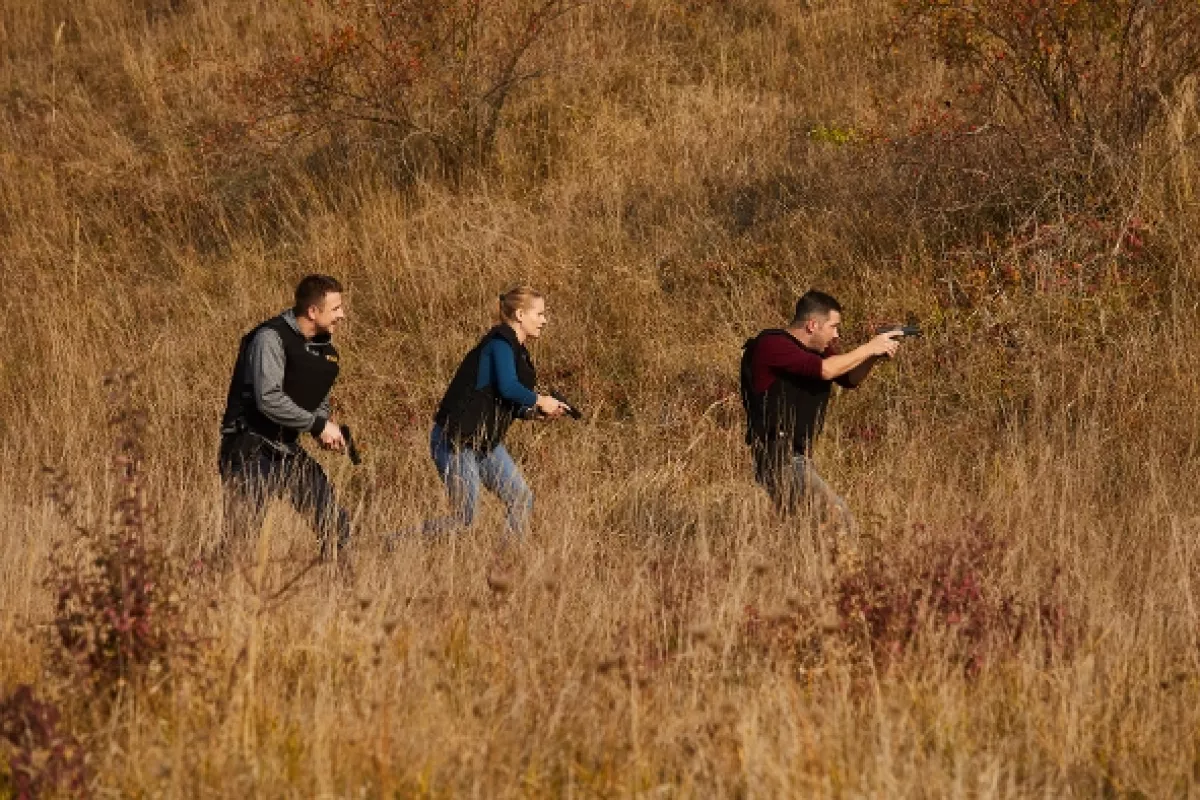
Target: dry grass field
x=1017, y=617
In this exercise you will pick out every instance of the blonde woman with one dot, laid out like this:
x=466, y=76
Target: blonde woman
x=493, y=386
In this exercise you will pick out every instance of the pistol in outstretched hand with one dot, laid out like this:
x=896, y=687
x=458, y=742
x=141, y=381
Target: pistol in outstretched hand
x=906, y=331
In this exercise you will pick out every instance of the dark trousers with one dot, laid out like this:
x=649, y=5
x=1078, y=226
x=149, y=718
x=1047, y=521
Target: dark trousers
x=253, y=472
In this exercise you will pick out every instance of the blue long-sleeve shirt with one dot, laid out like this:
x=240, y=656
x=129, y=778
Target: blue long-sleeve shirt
x=498, y=367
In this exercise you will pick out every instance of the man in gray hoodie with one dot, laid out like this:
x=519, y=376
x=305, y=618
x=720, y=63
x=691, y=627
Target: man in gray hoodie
x=285, y=370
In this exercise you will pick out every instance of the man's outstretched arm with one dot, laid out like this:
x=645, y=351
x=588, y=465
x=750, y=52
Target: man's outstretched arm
x=859, y=361
x=859, y=374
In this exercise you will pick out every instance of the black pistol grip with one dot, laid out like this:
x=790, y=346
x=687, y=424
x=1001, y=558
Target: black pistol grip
x=572, y=411
x=351, y=450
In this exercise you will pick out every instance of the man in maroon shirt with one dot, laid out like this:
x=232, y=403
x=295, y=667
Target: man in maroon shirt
x=787, y=376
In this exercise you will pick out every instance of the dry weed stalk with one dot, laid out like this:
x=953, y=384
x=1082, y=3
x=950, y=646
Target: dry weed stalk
x=118, y=614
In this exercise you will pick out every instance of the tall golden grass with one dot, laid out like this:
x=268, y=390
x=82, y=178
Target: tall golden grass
x=662, y=632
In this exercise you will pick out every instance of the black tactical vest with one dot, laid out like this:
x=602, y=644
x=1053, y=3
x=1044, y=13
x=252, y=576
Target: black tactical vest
x=479, y=418
x=791, y=409
x=310, y=369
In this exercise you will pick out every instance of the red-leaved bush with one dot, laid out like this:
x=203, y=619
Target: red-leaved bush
x=42, y=758
x=117, y=611
x=951, y=585
x=1049, y=105
x=1089, y=73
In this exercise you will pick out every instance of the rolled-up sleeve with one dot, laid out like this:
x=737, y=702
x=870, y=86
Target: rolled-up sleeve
x=844, y=380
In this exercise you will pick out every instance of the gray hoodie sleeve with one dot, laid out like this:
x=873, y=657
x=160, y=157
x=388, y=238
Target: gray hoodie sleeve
x=267, y=363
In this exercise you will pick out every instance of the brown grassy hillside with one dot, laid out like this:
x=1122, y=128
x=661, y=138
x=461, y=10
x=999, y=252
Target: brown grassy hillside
x=1017, y=618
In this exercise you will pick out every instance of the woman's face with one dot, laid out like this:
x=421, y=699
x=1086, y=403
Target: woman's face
x=531, y=319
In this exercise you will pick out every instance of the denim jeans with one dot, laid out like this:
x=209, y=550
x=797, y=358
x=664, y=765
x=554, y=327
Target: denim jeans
x=464, y=470
x=792, y=481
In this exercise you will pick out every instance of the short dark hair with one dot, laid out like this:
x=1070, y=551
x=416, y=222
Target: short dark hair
x=311, y=291
x=814, y=303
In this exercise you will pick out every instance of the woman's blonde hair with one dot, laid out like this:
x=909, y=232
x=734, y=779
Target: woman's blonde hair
x=515, y=299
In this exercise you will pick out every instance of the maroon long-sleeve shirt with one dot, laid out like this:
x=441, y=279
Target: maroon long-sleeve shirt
x=776, y=354
x=784, y=377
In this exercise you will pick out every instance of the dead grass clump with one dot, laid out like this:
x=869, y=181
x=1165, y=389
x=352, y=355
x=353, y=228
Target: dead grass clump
x=401, y=76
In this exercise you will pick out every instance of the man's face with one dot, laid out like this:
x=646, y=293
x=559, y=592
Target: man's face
x=823, y=330
x=328, y=314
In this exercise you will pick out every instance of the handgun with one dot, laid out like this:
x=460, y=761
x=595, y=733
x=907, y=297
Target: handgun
x=572, y=410
x=351, y=450
x=905, y=330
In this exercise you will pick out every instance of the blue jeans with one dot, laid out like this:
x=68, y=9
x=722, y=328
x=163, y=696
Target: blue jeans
x=792, y=482
x=463, y=471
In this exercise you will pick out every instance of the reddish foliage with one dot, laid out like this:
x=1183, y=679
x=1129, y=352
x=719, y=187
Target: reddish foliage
x=1083, y=255
x=948, y=584
x=1043, y=125
x=117, y=613
x=1087, y=71
x=43, y=758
